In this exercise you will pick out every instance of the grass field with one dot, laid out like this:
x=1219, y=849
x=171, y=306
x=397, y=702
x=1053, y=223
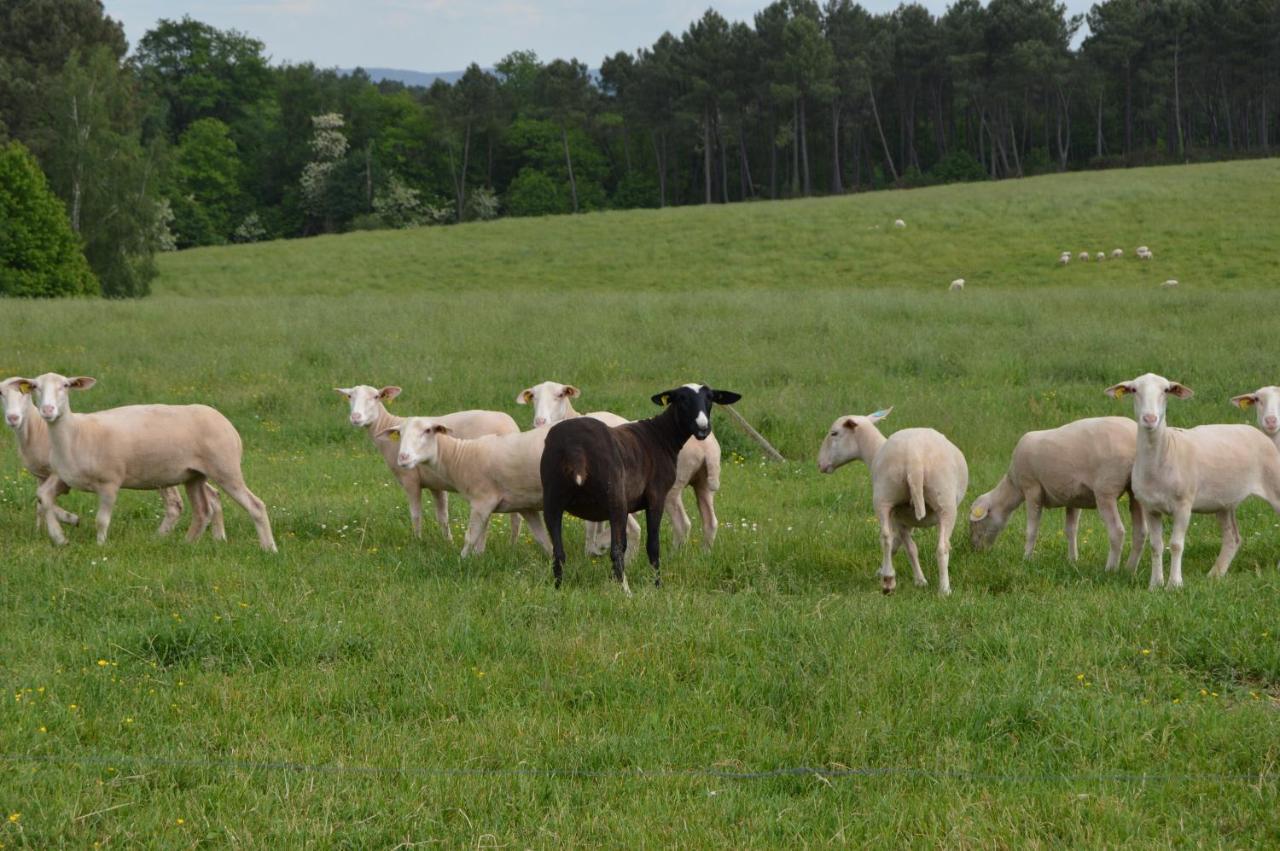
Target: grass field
x=363, y=689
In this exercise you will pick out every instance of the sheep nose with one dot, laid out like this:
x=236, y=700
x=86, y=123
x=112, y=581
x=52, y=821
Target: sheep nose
x=12, y=419
x=539, y=422
x=47, y=410
x=355, y=419
x=1270, y=421
x=1149, y=419
x=404, y=458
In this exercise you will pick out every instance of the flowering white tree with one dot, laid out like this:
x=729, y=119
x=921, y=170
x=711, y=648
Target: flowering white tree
x=329, y=146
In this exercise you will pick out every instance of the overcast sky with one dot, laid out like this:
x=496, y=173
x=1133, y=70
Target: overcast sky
x=447, y=35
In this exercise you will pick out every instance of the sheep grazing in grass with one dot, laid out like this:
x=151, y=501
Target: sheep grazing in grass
x=1102, y=255
x=1144, y=253
x=1084, y=256
x=1209, y=469
x=899, y=223
x=956, y=285
x=1064, y=258
x=918, y=478
x=1117, y=254
x=1083, y=464
x=1169, y=284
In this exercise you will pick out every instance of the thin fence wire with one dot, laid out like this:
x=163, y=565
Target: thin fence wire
x=823, y=773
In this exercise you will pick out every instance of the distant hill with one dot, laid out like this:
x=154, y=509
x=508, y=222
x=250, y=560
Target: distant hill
x=409, y=78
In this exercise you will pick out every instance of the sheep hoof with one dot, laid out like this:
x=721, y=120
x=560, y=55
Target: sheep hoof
x=888, y=583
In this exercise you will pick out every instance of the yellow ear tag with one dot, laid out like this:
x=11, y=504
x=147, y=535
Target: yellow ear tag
x=978, y=513
x=666, y=399
x=25, y=387
x=1245, y=403
x=1119, y=393
x=394, y=435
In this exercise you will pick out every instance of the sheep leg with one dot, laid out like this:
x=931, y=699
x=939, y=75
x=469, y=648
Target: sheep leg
x=172, y=510
x=554, y=517
x=412, y=487
x=1138, y=520
x=707, y=511
x=946, y=522
x=652, y=544
x=45, y=496
x=680, y=523
x=234, y=487
x=618, y=521
x=1230, y=542
x=1177, y=537
x=201, y=512
x=106, y=504
x=1109, y=511
x=477, y=528
x=633, y=539
x=214, y=502
x=1033, y=524
x=1155, y=528
x=536, y=528
x=65, y=516
x=888, y=580
x=904, y=539
x=1071, y=526
x=596, y=538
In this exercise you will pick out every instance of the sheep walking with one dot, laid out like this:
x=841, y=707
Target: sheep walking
x=141, y=447
x=1209, y=469
x=1083, y=464
x=918, y=479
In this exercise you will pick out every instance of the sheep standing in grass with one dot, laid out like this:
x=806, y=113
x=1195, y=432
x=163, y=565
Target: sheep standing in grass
x=1064, y=258
x=1102, y=256
x=1084, y=256
x=1267, y=401
x=918, y=478
x=1169, y=284
x=1209, y=469
x=1144, y=253
x=1084, y=464
x=1117, y=254
x=899, y=223
x=956, y=285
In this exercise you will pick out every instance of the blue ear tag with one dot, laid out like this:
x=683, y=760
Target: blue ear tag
x=880, y=413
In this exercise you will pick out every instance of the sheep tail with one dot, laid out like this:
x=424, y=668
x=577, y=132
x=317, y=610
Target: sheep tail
x=915, y=484
x=575, y=466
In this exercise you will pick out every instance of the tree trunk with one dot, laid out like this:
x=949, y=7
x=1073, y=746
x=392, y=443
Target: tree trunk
x=795, y=147
x=724, y=162
x=1017, y=160
x=1099, y=133
x=662, y=169
x=804, y=149
x=706, y=153
x=773, y=153
x=880, y=128
x=744, y=161
x=837, y=185
x=568, y=161
x=368, y=176
x=1128, y=110
x=1177, y=97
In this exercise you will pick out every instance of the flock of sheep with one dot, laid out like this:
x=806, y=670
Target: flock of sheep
x=601, y=467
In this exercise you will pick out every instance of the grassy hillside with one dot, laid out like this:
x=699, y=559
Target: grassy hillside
x=362, y=688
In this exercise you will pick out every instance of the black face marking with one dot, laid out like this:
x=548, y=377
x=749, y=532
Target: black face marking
x=689, y=403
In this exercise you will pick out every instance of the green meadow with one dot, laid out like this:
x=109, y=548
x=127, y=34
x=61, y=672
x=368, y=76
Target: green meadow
x=365, y=689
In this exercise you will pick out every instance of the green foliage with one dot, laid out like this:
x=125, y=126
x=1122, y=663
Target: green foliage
x=39, y=255
x=533, y=193
x=634, y=191
x=1022, y=712
x=957, y=167
x=205, y=184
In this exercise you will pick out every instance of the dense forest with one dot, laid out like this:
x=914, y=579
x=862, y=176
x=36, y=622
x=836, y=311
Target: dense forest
x=196, y=138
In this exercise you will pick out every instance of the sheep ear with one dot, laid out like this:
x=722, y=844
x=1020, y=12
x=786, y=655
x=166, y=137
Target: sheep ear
x=724, y=397
x=850, y=423
x=345, y=391
x=662, y=399
x=1182, y=391
x=82, y=382
x=572, y=392
x=441, y=428
x=1245, y=402
x=525, y=396
x=388, y=393
x=25, y=386
x=392, y=434
x=880, y=414
x=977, y=513
x=1119, y=390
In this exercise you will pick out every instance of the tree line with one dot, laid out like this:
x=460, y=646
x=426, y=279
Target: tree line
x=198, y=139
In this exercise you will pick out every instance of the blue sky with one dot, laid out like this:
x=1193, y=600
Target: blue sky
x=446, y=35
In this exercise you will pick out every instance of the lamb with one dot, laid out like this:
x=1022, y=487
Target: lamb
x=918, y=478
x=33, y=451
x=600, y=473
x=496, y=473
x=1267, y=401
x=1117, y=253
x=141, y=447
x=1083, y=464
x=697, y=467
x=368, y=411
x=956, y=285
x=1209, y=469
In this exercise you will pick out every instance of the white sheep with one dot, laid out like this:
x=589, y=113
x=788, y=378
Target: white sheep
x=1083, y=464
x=1101, y=256
x=368, y=411
x=496, y=473
x=697, y=467
x=899, y=223
x=1267, y=401
x=1084, y=256
x=1169, y=284
x=956, y=285
x=1064, y=258
x=918, y=478
x=1209, y=469
x=32, y=434
x=141, y=447
x=1117, y=253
